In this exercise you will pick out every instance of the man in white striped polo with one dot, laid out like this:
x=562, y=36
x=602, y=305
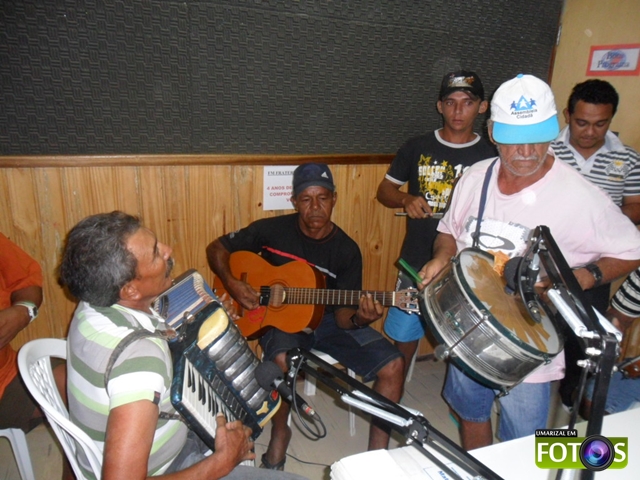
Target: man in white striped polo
x=588, y=145
x=116, y=268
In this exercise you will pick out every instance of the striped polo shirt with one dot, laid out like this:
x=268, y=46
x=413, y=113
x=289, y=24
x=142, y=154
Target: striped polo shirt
x=143, y=371
x=615, y=167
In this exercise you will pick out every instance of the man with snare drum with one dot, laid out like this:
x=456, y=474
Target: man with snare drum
x=526, y=187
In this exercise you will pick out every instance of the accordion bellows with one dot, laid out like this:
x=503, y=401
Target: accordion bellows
x=213, y=366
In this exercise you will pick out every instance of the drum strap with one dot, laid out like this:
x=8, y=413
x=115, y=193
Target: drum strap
x=483, y=200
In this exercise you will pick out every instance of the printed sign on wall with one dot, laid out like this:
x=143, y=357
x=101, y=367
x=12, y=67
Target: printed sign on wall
x=277, y=188
x=614, y=60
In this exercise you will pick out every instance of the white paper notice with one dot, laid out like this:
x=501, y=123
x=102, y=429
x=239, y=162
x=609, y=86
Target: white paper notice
x=277, y=188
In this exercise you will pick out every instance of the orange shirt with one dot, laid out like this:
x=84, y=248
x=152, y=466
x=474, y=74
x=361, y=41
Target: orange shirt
x=17, y=270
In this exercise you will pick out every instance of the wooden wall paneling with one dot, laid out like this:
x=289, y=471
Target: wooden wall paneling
x=57, y=309
x=367, y=222
x=158, y=187
x=88, y=191
x=176, y=214
x=380, y=236
x=187, y=205
x=250, y=181
x=212, y=187
x=194, y=225
x=126, y=193
x=23, y=208
x=243, y=207
x=5, y=219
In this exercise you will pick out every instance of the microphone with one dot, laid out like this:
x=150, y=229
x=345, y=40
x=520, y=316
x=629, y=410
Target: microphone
x=528, y=280
x=269, y=376
x=510, y=274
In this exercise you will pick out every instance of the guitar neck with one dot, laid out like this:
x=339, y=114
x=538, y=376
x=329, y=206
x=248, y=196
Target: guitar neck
x=314, y=296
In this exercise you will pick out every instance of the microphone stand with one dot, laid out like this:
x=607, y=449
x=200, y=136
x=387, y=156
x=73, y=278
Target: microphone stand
x=410, y=423
x=597, y=337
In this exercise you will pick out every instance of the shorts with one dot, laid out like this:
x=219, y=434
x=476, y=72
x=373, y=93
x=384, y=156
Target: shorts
x=17, y=407
x=623, y=393
x=363, y=350
x=523, y=410
x=404, y=326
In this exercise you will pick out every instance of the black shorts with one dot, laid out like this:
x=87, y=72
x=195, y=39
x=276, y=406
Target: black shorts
x=364, y=350
x=17, y=407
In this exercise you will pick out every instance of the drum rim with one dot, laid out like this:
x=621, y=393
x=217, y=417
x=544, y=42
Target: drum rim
x=466, y=360
x=477, y=303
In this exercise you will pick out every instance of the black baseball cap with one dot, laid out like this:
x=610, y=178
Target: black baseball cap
x=462, y=80
x=312, y=175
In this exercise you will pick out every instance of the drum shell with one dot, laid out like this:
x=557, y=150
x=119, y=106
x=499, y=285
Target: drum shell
x=475, y=340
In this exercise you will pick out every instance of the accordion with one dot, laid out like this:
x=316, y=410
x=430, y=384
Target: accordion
x=213, y=366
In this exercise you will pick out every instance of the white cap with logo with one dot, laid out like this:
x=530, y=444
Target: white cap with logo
x=523, y=110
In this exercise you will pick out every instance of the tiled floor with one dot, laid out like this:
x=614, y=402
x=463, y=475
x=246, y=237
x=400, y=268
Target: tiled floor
x=307, y=457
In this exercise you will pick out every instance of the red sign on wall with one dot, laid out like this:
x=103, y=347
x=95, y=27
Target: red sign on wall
x=614, y=60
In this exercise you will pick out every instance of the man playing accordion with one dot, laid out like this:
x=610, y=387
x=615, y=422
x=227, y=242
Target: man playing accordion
x=116, y=268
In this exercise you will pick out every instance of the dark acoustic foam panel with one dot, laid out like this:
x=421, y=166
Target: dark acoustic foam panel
x=297, y=77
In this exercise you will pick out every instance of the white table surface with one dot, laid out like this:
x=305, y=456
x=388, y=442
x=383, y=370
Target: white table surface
x=513, y=460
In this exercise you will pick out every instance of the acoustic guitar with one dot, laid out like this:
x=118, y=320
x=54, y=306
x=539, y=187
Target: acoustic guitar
x=292, y=296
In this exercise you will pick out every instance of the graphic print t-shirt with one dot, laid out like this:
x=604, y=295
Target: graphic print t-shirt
x=431, y=165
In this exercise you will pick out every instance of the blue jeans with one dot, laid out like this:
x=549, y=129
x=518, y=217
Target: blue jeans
x=365, y=350
x=522, y=411
x=623, y=393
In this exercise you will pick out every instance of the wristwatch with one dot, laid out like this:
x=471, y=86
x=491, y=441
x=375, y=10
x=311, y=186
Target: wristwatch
x=596, y=272
x=354, y=323
x=31, y=308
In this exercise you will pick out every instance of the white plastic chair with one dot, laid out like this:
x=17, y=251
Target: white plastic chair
x=18, y=442
x=310, y=386
x=34, y=363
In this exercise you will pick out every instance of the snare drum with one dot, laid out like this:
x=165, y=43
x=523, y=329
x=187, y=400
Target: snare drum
x=487, y=333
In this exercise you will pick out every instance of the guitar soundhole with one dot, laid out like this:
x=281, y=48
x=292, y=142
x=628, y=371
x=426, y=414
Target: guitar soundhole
x=278, y=295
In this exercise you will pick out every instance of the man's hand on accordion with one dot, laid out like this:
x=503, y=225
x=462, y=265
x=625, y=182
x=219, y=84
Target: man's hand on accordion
x=232, y=442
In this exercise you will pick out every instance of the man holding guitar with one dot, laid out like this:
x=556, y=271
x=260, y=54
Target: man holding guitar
x=309, y=236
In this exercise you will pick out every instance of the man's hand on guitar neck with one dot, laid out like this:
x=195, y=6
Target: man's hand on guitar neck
x=369, y=310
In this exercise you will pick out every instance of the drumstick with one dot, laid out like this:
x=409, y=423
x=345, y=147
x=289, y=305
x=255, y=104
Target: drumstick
x=409, y=269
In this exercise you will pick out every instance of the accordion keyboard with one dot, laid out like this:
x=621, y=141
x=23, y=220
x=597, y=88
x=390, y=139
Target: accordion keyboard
x=202, y=401
x=213, y=366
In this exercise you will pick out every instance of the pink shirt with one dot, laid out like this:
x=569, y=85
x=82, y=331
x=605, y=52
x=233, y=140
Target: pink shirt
x=582, y=219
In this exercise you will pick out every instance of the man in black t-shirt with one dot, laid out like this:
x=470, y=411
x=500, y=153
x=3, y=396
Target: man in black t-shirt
x=310, y=236
x=431, y=163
